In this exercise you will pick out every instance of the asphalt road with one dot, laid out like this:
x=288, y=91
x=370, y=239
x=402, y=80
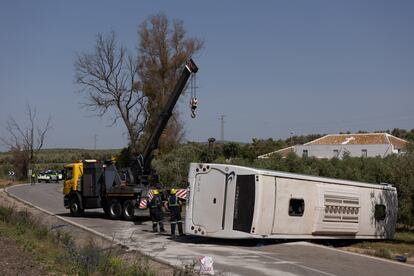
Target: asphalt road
x=237, y=257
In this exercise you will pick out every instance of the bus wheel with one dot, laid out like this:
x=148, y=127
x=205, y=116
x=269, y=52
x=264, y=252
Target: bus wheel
x=128, y=209
x=115, y=209
x=74, y=207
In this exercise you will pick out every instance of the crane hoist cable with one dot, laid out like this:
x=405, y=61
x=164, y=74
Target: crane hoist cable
x=193, y=99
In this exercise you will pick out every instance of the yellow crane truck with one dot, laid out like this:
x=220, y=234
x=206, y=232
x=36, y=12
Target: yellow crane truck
x=92, y=184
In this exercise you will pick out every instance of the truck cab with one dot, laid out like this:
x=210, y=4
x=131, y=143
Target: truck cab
x=72, y=175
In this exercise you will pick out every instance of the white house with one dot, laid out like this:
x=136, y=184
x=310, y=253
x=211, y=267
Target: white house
x=354, y=145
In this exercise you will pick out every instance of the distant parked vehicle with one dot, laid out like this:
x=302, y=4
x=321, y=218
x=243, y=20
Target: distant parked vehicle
x=49, y=176
x=60, y=175
x=43, y=177
x=54, y=177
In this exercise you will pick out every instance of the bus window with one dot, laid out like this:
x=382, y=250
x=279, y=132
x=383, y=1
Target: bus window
x=296, y=207
x=380, y=212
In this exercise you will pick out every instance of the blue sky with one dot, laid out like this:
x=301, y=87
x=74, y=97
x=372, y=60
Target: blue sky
x=271, y=67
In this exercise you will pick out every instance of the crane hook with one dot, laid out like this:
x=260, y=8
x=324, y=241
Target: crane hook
x=193, y=106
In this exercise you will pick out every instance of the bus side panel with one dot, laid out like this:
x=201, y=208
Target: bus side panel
x=265, y=205
x=372, y=222
x=339, y=210
x=288, y=193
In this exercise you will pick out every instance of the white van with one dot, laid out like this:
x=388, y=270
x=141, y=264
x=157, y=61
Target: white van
x=232, y=202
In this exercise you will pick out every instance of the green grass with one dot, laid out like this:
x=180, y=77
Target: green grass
x=402, y=244
x=57, y=252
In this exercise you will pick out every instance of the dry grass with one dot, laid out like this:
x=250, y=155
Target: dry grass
x=57, y=253
x=7, y=182
x=401, y=245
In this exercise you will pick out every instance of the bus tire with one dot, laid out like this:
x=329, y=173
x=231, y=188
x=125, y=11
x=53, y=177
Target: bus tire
x=128, y=209
x=115, y=209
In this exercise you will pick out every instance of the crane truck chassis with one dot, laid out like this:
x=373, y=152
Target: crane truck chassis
x=91, y=184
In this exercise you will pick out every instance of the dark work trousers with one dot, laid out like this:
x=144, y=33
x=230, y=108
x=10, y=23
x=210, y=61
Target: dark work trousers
x=176, y=220
x=156, y=215
x=175, y=209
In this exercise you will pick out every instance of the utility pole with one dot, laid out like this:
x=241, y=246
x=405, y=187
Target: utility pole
x=95, y=138
x=222, y=127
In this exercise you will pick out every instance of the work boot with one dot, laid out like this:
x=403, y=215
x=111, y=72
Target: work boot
x=172, y=229
x=154, y=227
x=162, y=227
x=180, y=228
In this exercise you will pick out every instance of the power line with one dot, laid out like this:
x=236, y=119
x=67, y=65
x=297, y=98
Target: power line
x=222, y=127
x=95, y=138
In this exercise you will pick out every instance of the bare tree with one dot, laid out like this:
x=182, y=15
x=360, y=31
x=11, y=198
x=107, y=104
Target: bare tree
x=25, y=142
x=163, y=49
x=109, y=78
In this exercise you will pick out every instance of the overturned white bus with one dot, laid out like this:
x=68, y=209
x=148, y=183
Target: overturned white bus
x=234, y=202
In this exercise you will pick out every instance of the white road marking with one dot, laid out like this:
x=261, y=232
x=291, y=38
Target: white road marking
x=299, y=265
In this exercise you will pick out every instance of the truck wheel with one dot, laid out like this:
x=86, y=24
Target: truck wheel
x=74, y=207
x=115, y=209
x=128, y=209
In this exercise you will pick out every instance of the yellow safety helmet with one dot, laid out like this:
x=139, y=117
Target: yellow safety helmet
x=155, y=192
x=173, y=191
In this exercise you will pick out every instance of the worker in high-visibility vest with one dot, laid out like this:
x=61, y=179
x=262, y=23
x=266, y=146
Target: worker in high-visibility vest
x=34, y=180
x=155, y=206
x=174, y=205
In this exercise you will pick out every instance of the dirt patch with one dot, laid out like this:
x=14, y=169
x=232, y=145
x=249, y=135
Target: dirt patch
x=15, y=261
x=6, y=182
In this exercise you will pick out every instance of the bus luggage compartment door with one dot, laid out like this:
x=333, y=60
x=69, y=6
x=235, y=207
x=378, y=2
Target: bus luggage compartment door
x=209, y=200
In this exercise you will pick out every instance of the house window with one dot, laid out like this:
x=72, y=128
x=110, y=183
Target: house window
x=305, y=153
x=296, y=207
x=335, y=153
x=364, y=153
x=380, y=212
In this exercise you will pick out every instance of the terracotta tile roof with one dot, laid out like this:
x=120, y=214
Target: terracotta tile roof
x=398, y=143
x=359, y=139
x=348, y=139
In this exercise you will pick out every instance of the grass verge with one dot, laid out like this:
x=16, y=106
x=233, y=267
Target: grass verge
x=56, y=250
x=402, y=246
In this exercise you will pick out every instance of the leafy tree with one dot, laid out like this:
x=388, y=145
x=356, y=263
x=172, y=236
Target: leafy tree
x=164, y=47
x=173, y=166
x=231, y=150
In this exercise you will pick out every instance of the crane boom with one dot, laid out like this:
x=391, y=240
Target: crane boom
x=152, y=143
